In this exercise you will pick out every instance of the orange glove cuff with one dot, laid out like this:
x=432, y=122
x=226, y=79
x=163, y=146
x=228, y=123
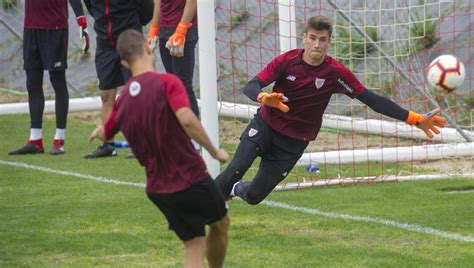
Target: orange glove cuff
x=183, y=28
x=413, y=118
x=154, y=30
x=260, y=97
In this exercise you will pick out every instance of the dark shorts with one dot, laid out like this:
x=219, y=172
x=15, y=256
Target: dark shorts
x=110, y=72
x=45, y=49
x=189, y=211
x=279, y=153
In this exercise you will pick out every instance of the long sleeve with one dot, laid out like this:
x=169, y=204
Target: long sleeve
x=383, y=105
x=253, y=88
x=77, y=7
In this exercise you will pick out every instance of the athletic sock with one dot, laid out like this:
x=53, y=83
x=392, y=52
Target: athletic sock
x=36, y=134
x=232, y=192
x=60, y=132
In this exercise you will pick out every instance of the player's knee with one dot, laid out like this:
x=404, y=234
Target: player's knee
x=107, y=96
x=253, y=197
x=233, y=172
x=221, y=226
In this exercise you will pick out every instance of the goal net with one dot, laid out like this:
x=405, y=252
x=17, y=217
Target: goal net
x=387, y=44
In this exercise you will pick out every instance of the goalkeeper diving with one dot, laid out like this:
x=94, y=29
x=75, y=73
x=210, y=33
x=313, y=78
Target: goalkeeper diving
x=291, y=115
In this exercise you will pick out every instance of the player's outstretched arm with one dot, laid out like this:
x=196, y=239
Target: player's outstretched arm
x=429, y=122
x=190, y=123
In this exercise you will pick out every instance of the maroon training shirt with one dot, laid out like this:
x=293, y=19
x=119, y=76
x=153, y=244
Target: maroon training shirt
x=145, y=113
x=46, y=14
x=172, y=12
x=308, y=88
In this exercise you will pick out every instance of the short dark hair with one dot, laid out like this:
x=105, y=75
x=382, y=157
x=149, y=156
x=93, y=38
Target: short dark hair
x=319, y=23
x=130, y=45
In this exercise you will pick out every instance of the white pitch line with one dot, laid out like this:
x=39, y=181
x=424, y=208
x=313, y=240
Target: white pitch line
x=404, y=226
x=461, y=191
x=71, y=174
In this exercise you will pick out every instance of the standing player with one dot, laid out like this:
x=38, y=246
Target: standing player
x=111, y=19
x=45, y=42
x=175, y=23
x=280, y=131
x=154, y=114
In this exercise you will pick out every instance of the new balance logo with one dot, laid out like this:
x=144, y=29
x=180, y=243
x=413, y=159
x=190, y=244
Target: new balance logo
x=346, y=86
x=291, y=78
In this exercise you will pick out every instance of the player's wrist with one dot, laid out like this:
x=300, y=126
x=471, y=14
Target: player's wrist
x=414, y=118
x=182, y=28
x=260, y=96
x=154, y=30
x=82, y=21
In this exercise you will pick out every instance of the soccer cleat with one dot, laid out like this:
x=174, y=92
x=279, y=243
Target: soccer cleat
x=58, y=147
x=104, y=150
x=30, y=148
x=131, y=155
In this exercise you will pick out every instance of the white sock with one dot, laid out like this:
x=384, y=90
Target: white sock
x=59, y=134
x=36, y=134
x=232, y=192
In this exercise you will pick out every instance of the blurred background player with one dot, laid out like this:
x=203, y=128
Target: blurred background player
x=175, y=24
x=153, y=112
x=111, y=18
x=280, y=131
x=45, y=44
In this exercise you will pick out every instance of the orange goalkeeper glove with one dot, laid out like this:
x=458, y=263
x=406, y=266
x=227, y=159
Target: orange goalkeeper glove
x=273, y=100
x=176, y=41
x=427, y=122
x=152, y=39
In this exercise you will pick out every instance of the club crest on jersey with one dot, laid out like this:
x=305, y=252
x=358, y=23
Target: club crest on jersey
x=135, y=88
x=319, y=82
x=252, y=132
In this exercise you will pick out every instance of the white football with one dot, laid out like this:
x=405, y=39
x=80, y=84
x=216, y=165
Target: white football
x=446, y=73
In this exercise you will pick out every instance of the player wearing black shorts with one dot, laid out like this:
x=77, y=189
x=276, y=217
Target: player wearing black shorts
x=154, y=114
x=174, y=23
x=111, y=18
x=45, y=43
x=291, y=115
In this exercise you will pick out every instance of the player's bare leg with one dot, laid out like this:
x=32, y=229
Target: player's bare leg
x=217, y=243
x=108, y=99
x=194, y=251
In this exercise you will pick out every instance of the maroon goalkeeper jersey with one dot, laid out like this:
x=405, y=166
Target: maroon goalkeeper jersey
x=171, y=13
x=145, y=113
x=308, y=88
x=46, y=14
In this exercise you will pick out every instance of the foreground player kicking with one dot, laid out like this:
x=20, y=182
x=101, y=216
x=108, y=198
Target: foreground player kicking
x=280, y=131
x=154, y=114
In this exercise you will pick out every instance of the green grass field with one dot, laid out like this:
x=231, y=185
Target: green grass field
x=49, y=218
